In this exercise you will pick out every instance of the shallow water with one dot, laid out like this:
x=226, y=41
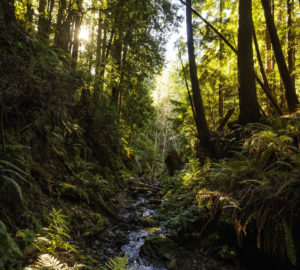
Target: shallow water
x=137, y=239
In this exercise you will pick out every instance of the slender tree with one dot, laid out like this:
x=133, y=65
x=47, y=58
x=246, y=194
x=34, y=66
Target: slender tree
x=221, y=84
x=249, y=107
x=290, y=91
x=201, y=123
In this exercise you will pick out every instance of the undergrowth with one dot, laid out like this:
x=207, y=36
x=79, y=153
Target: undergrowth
x=257, y=190
x=52, y=157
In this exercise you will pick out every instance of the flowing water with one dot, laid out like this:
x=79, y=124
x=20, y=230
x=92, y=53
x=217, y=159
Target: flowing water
x=137, y=239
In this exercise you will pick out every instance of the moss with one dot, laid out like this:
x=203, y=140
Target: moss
x=69, y=191
x=159, y=247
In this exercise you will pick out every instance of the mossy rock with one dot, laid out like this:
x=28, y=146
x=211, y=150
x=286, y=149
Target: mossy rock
x=148, y=222
x=159, y=248
x=66, y=190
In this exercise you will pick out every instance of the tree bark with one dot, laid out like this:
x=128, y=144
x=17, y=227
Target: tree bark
x=249, y=107
x=291, y=40
x=290, y=91
x=42, y=19
x=269, y=60
x=201, y=123
x=221, y=85
x=75, y=48
x=29, y=16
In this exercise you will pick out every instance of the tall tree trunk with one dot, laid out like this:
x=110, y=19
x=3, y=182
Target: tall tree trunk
x=101, y=43
x=42, y=19
x=266, y=88
x=249, y=107
x=221, y=85
x=75, y=48
x=8, y=22
x=201, y=123
x=29, y=16
x=117, y=56
x=290, y=91
x=269, y=60
x=60, y=22
x=291, y=40
x=49, y=18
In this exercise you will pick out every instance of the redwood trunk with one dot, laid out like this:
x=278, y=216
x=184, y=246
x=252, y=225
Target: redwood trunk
x=249, y=107
x=291, y=40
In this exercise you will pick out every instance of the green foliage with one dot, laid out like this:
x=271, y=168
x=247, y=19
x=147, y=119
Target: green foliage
x=46, y=261
x=9, y=172
x=289, y=244
x=9, y=250
x=118, y=263
x=242, y=191
x=56, y=236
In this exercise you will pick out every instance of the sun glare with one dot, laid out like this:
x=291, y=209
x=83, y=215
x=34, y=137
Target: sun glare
x=84, y=33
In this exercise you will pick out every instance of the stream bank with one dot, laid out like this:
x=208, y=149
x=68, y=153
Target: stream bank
x=139, y=236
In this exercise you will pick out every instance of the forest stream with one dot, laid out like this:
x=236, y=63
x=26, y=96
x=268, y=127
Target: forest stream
x=147, y=245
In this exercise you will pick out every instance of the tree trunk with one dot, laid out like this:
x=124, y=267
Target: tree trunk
x=49, y=18
x=60, y=22
x=269, y=60
x=201, y=124
x=117, y=56
x=29, y=16
x=221, y=85
x=249, y=107
x=291, y=40
x=290, y=91
x=42, y=24
x=266, y=88
x=75, y=48
x=8, y=22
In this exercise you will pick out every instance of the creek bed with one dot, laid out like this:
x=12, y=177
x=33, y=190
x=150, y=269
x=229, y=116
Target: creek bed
x=137, y=238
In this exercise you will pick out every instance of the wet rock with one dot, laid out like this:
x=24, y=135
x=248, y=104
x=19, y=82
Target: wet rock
x=159, y=248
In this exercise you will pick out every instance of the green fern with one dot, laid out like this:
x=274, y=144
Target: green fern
x=118, y=263
x=9, y=171
x=289, y=244
x=9, y=251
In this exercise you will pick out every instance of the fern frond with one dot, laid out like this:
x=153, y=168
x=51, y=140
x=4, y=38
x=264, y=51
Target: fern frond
x=118, y=263
x=15, y=173
x=15, y=184
x=50, y=262
x=13, y=166
x=289, y=244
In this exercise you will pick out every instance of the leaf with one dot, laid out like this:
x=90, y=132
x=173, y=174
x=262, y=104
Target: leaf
x=15, y=184
x=289, y=244
x=118, y=263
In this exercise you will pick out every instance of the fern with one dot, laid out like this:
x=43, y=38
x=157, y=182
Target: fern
x=8, y=170
x=289, y=244
x=46, y=261
x=9, y=251
x=118, y=263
